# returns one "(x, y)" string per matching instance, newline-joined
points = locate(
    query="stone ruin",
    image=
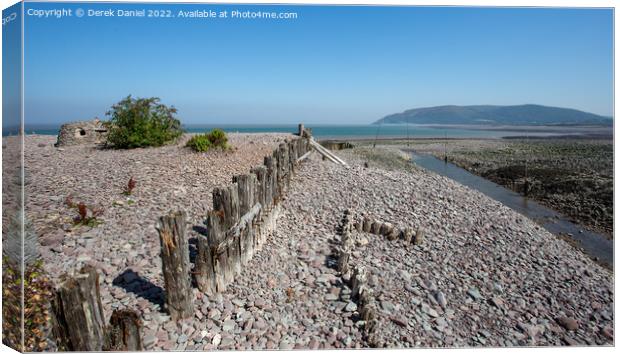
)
(90, 132)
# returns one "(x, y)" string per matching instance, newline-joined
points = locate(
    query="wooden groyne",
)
(244, 215)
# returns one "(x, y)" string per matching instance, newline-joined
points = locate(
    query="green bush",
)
(203, 142)
(218, 138)
(141, 122)
(200, 143)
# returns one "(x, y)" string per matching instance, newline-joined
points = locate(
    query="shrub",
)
(203, 142)
(218, 138)
(200, 143)
(141, 122)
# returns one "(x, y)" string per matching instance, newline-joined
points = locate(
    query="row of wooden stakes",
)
(357, 277)
(243, 215)
(369, 225)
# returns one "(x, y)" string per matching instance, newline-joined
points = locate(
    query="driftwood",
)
(304, 156)
(123, 334)
(78, 323)
(328, 154)
(175, 262)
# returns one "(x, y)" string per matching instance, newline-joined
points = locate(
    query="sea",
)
(326, 132)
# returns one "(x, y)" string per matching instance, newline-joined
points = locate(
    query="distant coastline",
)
(384, 131)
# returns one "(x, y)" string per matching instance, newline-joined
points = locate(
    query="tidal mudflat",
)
(484, 275)
(571, 176)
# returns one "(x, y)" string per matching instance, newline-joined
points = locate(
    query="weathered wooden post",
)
(261, 173)
(407, 234)
(301, 129)
(272, 178)
(79, 324)
(358, 280)
(344, 253)
(204, 270)
(246, 190)
(375, 227)
(123, 334)
(367, 224)
(368, 309)
(419, 236)
(394, 234)
(226, 201)
(385, 229)
(222, 269)
(175, 262)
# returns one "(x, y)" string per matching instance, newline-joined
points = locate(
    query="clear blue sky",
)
(330, 65)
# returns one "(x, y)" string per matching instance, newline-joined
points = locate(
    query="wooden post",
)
(419, 236)
(226, 201)
(234, 253)
(375, 228)
(367, 224)
(124, 332)
(78, 313)
(301, 129)
(368, 309)
(344, 254)
(358, 280)
(358, 224)
(242, 233)
(204, 271)
(261, 175)
(385, 229)
(175, 262)
(246, 191)
(272, 179)
(219, 253)
(407, 234)
(292, 145)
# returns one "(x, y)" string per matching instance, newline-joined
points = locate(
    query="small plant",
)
(131, 184)
(87, 215)
(203, 142)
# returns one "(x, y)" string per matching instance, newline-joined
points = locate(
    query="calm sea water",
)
(333, 131)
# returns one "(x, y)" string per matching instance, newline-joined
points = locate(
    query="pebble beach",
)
(484, 275)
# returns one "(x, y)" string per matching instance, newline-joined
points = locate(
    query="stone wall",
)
(90, 132)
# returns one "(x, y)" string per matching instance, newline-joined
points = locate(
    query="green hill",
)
(527, 114)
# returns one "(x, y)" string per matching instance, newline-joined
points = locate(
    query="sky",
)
(330, 65)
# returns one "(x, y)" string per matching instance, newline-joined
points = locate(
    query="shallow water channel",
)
(594, 244)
